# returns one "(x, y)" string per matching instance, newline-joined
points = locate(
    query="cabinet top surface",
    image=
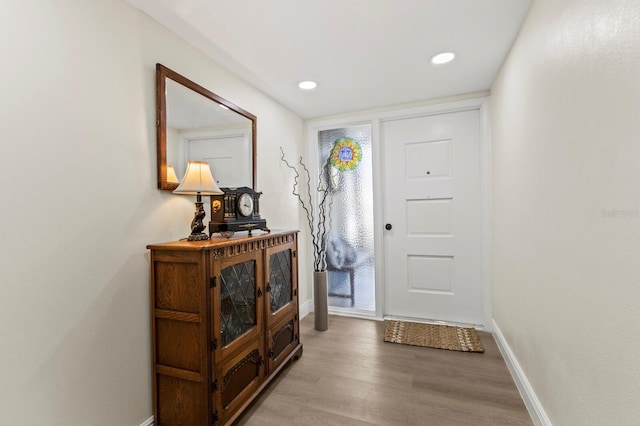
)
(216, 241)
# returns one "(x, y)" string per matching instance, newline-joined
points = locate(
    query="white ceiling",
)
(363, 53)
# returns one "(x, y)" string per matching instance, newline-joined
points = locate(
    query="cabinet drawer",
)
(238, 378)
(282, 338)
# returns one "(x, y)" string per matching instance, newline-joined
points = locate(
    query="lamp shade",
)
(198, 180)
(171, 174)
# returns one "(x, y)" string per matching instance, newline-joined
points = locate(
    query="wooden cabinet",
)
(225, 320)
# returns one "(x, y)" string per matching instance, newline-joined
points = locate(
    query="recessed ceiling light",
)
(442, 58)
(307, 85)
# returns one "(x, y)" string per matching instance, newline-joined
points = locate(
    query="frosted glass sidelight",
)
(350, 251)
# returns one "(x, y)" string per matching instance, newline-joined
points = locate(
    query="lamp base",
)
(196, 225)
(198, 237)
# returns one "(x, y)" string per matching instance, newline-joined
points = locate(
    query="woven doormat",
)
(433, 336)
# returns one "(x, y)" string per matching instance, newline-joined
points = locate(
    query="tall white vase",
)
(321, 309)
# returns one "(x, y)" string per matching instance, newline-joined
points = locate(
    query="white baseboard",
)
(306, 308)
(531, 401)
(148, 422)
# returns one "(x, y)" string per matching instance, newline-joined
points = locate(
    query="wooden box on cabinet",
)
(225, 320)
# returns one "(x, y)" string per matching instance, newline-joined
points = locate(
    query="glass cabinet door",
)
(280, 279)
(282, 321)
(237, 300)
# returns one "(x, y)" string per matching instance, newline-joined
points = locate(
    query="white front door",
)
(432, 204)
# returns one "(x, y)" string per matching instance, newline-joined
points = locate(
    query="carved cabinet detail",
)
(225, 320)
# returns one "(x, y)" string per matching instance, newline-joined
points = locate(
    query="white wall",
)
(79, 203)
(566, 154)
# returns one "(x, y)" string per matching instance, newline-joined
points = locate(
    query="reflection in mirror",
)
(197, 125)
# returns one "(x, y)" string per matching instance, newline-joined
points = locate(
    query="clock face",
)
(245, 204)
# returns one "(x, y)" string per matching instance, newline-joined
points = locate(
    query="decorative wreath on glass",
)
(345, 154)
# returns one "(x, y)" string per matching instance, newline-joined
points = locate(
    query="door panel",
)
(226, 155)
(431, 159)
(432, 187)
(433, 217)
(430, 274)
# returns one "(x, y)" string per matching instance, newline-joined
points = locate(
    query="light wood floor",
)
(348, 375)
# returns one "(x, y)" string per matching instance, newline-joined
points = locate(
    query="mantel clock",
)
(238, 209)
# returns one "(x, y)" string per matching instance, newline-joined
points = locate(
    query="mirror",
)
(195, 124)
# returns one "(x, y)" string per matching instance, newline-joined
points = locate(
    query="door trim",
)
(375, 118)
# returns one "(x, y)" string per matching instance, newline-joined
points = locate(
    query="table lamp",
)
(198, 181)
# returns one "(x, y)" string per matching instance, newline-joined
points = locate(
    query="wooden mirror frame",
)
(162, 73)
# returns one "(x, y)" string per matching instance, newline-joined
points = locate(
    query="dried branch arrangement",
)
(317, 214)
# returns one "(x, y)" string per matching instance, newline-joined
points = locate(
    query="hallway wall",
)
(566, 208)
(79, 203)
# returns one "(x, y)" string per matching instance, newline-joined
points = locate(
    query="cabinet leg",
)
(298, 354)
